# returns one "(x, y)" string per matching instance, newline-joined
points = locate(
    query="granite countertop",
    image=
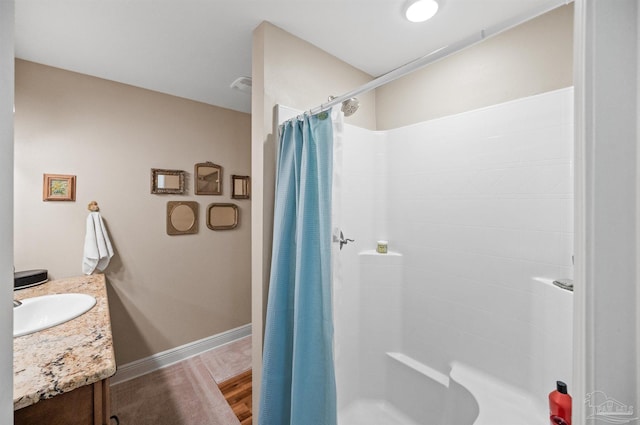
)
(68, 356)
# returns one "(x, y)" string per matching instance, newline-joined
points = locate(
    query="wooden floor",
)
(237, 392)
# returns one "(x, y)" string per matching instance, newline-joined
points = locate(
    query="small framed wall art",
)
(240, 187)
(59, 187)
(167, 181)
(208, 178)
(222, 216)
(182, 217)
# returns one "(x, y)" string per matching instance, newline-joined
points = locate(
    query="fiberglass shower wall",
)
(477, 205)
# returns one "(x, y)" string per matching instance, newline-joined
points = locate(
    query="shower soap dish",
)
(566, 284)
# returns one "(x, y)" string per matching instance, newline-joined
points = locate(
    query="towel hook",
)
(93, 206)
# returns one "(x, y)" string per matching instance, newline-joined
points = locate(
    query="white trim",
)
(606, 273)
(580, 374)
(7, 87)
(174, 355)
(637, 399)
(284, 113)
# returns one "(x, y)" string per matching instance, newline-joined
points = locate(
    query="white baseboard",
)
(174, 355)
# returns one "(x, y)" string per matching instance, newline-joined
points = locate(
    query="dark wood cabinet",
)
(88, 405)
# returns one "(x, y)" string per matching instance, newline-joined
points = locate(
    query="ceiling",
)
(196, 48)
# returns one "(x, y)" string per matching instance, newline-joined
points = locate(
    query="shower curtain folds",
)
(298, 382)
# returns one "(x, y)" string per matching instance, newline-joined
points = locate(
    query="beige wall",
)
(529, 59)
(299, 75)
(164, 291)
(291, 72)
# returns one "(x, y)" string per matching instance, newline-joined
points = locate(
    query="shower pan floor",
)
(368, 412)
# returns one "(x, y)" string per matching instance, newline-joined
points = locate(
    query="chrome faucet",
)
(16, 303)
(341, 240)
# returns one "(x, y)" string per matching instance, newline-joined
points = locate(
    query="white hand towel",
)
(97, 246)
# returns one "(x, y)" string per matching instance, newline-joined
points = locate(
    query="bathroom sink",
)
(38, 313)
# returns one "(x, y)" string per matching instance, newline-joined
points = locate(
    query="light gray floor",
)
(185, 393)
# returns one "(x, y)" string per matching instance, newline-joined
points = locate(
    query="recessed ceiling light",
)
(421, 10)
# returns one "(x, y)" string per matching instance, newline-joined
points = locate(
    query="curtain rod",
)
(440, 53)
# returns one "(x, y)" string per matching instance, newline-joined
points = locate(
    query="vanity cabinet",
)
(88, 405)
(61, 374)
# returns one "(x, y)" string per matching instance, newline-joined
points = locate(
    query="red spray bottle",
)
(560, 405)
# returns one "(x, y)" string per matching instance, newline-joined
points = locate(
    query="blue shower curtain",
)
(298, 381)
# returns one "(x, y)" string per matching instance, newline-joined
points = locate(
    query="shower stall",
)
(459, 323)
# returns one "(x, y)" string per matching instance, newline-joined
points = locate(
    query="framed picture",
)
(240, 187)
(59, 187)
(208, 178)
(222, 216)
(167, 181)
(182, 217)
